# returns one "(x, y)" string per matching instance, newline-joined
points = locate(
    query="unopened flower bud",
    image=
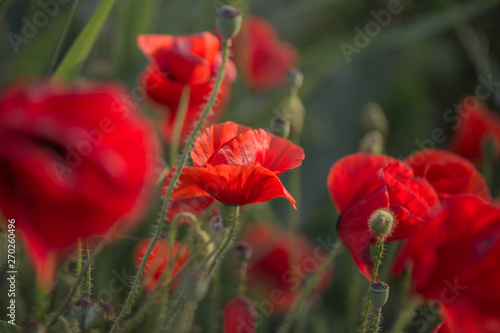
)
(379, 293)
(381, 222)
(228, 21)
(82, 308)
(243, 251)
(280, 127)
(216, 224)
(295, 78)
(373, 118)
(100, 314)
(372, 142)
(194, 285)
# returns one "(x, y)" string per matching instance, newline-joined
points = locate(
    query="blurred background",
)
(419, 65)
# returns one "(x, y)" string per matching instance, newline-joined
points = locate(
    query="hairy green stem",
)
(374, 276)
(311, 283)
(78, 269)
(166, 199)
(86, 254)
(229, 238)
(72, 291)
(180, 117)
(242, 278)
(377, 321)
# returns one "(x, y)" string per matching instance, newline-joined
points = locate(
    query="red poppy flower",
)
(158, 261)
(238, 166)
(240, 316)
(455, 262)
(448, 173)
(441, 328)
(269, 269)
(73, 161)
(360, 184)
(262, 57)
(475, 126)
(175, 62)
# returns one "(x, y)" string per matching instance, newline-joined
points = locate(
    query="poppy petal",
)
(239, 316)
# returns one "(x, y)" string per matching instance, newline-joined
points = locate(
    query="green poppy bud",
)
(280, 127)
(295, 78)
(372, 142)
(381, 222)
(243, 251)
(100, 314)
(82, 308)
(379, 293)
(228, 21)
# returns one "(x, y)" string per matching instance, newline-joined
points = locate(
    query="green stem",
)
(180, 117)
(166, 199)
(151, 300)
(79, 260)
(311, 283)
(230, 235)
(377, 321)
(374, 276)
(215, 304)
(72, 291)
(86, 253)
(405, 316)
(242, 278)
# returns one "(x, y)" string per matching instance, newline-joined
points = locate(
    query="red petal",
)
(448, 173)
(349, 173)
(212, 138)
(258, 147)
(150, 44)
(195, 206)
(234, 185)
(441, 328)
(239, 316)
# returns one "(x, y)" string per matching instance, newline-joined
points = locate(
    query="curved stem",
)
(180, 117)
(230, 235)
(166, 199)
(374, 276)
(313, 281)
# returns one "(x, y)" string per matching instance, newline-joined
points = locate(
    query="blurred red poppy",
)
(73, 161)
(239, 316)
(158, 261)
(263, 59)
(360, 184)
(476, 125)
(196, 206)
(454, 260)
(448, 173)
(242, 170)
(270, 273)
(176, 62)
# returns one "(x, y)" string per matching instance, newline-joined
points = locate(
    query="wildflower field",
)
(244, 166)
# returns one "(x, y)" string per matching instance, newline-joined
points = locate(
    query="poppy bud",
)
(381, 222)
(243, 251)
(216, 224)
(100, 314)
(194, 285)
(379, 293)
(228, 21)
(372, 142)
(295, 78)
(373, 118)
(82, 308)
(280, 127)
